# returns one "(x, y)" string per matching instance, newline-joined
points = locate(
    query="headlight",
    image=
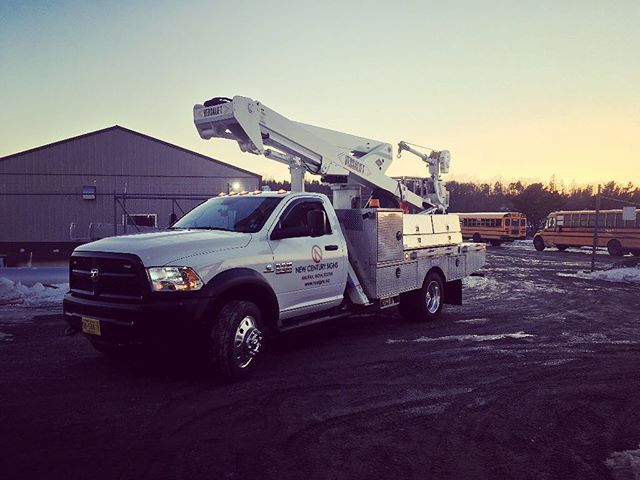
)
(171, 279)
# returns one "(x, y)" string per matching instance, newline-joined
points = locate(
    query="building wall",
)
(41, 189)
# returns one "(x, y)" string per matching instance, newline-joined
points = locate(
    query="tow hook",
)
(70, 331)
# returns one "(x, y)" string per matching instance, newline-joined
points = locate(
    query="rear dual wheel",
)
(426, 303)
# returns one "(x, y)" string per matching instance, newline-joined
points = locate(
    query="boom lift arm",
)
(343, 160)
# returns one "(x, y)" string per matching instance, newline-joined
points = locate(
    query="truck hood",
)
(162, 248)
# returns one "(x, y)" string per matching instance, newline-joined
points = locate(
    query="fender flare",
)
(237, 282)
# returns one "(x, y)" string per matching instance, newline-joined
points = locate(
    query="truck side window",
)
(295, 222)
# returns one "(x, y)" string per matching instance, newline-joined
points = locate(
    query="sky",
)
(514, 89)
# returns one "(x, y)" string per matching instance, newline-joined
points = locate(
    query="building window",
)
(141, 219)
(89, 192)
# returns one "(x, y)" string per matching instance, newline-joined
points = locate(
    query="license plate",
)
(90, 326)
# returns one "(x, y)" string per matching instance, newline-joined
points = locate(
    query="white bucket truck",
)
(244, 265)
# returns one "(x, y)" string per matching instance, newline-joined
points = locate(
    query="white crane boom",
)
(343, 160)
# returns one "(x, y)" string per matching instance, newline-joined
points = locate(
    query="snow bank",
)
(38, 295)
(626, 275)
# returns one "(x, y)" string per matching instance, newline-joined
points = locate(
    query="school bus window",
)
(619, 222)
(560, 219)
(610, 220)
(507, 221)
(592, 219)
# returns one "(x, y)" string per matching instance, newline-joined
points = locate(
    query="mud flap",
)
(453, 292)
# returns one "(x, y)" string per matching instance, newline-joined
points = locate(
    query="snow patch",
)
(463, 338)
(5, 337)
(38, 295)
(477, 282)
(624, 465)
(626, 275)
(474, 321)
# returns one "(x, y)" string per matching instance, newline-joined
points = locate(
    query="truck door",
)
(310, 272)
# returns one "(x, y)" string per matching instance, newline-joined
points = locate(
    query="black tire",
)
(538, 243)
(496, 243)
(562, 248)
(424, 305)
(476, 238)
(614, 248)
(635, 253)
(236, 339)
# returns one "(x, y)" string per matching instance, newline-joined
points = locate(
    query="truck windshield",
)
(235, 214)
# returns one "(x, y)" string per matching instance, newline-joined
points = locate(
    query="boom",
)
(343, 160)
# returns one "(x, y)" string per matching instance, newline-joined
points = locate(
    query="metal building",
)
(115, 180)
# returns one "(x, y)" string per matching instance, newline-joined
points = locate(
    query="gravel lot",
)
(536, 376)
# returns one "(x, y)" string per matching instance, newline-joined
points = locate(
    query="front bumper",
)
(149, 322)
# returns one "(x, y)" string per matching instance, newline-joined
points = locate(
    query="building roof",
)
(127, 130)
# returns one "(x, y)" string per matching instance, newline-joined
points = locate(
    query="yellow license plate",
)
(90, 326)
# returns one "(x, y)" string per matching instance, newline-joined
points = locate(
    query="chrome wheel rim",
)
(247, 341)
(432, 298)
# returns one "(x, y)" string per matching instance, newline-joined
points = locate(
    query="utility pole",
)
(595, 230)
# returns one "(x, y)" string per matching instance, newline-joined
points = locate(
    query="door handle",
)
(331, 247)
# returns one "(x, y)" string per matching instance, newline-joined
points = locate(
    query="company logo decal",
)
(316, 254)
(94, 274)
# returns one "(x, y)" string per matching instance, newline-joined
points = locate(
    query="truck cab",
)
(281, 252)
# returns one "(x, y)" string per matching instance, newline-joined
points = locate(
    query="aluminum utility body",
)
(244, 265)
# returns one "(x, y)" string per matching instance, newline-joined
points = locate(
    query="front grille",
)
(107, 277)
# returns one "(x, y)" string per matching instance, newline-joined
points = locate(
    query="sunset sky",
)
(525, 89)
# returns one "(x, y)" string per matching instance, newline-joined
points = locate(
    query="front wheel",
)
(476, 238)
(538, 243)
(424, 304)
(562, 248)
(236, 339)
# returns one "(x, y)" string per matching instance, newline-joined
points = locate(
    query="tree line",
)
(535, 200)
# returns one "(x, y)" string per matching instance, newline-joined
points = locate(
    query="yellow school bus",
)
(566, 229)
(493, 227)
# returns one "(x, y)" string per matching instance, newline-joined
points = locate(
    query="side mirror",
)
(316, 220)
